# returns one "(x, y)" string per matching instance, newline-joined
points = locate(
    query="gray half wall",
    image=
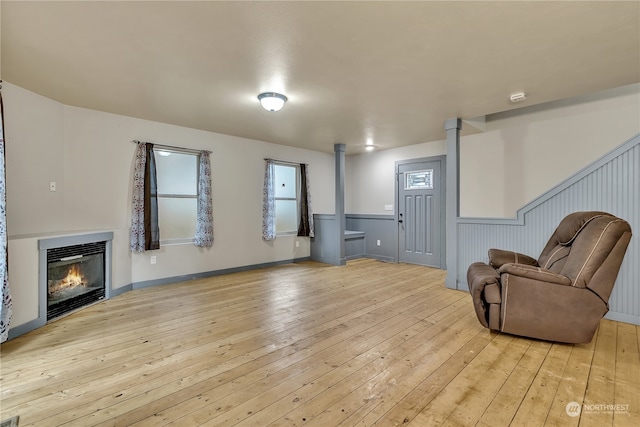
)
(376, 227)
(324, 247)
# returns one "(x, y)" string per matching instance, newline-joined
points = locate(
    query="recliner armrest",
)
(499, 257)
(535, 273)
(481, 276)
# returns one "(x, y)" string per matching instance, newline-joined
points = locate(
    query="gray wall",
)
(376, 227)
(611, 184)
(324, 248)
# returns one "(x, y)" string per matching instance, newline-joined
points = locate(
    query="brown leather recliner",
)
(562, 295)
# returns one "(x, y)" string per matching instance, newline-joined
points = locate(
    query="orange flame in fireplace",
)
(74, 278)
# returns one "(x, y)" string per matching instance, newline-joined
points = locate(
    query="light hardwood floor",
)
(307, 344)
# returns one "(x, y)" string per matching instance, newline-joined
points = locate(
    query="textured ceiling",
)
(389, 71)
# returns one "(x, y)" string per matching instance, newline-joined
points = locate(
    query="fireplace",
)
(75, 277)
(74, 272)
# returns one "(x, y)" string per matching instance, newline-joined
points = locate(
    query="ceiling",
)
(391, 72)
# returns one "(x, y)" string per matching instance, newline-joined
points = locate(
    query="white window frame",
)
(184, 151)
(296, 168)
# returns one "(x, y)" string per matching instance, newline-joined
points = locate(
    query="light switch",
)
(388, 207)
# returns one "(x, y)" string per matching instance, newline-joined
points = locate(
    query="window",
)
(286, 198)
(177, 179)
(419, 180)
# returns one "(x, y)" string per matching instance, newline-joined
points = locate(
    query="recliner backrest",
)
(555, 253)
(585, 243)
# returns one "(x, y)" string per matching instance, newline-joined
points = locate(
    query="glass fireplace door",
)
(74, 278)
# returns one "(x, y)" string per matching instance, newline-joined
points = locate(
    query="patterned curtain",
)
(137, 208)
(204, 221)
(269, 202)
(306, 213)
(145, 234)
(6, 308)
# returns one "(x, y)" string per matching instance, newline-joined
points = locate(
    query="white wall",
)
(521, 155)
(90, 156)
(370, 177)
(525, 153)
(34, 135)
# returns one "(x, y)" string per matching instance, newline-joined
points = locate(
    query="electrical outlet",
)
(378, 242)
(297, 244)
(388, 207)
(153, 259)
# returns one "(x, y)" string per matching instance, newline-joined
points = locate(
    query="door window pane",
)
(419, 180)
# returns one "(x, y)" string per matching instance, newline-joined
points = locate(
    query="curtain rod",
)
(171, 147)
(285, 162)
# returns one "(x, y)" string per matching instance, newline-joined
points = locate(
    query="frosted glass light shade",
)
(272, 101)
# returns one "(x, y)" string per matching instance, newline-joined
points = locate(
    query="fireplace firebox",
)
(75, 271)
(75, 277)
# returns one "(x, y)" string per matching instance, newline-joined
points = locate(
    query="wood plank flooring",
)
(367, 344)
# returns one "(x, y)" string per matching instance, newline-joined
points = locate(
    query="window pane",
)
(285, 181)
(177, 173)
(177, 218)
(419, 180)
(286, 216)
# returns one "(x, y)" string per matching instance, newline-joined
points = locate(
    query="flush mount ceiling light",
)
(369, 144)
(272, 101)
